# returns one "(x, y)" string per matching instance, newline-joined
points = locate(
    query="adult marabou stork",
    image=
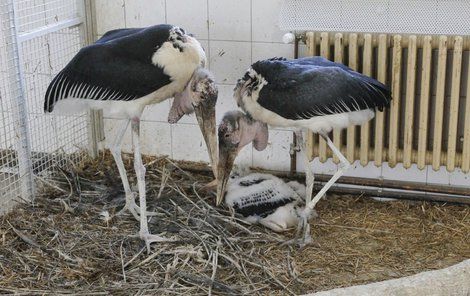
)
(128, 69)
(307, 94)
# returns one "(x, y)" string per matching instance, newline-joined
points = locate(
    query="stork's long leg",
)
(116, 152)
(344, 165)
(140, 173)
(304, 226)
(310, 178)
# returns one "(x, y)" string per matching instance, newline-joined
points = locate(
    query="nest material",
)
(70, 241)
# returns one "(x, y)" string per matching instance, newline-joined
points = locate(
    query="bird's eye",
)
(227, 135)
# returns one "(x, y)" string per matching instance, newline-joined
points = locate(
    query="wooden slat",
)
(339, 59)
(380, 116)
(439, 108)
(311, 48)
(466, 133)
(351, 132)
(409, 101)
(454, 103)
(324, 52)
(424, 102)
(395, 108)
(367, 70)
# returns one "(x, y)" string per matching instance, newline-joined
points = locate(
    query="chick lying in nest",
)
(266, 199)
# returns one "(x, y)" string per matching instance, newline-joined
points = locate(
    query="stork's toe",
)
(134, 209)
(153, 238)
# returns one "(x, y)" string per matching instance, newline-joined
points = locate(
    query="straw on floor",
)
(71, 242)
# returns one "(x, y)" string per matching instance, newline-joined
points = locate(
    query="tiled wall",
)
(234, 34)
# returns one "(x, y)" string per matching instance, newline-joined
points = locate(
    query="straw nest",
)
(70, 241)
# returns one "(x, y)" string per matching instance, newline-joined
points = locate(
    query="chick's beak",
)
(227, 157)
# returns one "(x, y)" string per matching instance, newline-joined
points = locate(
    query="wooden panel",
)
(424, 102)
(339, 59)
(324, 52)
(351, 132)
(395, 108)
(311, 48)
(439, 109)
(409, 101)
(367, 70)
(454, 103)
(380, 116)
(466, 134)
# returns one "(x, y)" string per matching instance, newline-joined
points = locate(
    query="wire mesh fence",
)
(37, 39)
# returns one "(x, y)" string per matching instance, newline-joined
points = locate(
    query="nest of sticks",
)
(71, 241)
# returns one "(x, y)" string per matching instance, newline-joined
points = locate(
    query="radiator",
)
(428, 122)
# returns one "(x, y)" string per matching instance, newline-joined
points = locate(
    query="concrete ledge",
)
(453, 280)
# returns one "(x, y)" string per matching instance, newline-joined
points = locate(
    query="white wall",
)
(234, 34)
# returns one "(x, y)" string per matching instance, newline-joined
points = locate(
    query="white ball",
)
(288, 38)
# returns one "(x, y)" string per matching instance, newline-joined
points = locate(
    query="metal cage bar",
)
(20, 109)
(38, 40)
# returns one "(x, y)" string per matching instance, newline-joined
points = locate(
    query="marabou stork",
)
(128, 69)
(306, 94)
(266, 199)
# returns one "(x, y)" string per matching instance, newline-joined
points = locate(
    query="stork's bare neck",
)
(200, 91)
(239, 129)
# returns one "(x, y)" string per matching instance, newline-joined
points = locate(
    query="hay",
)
(70, 242)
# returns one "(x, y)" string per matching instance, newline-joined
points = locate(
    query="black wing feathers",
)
(262, 208)
(308, 87)
(117, 67)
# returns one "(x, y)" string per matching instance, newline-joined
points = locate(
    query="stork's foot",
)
(303, 237)
(133, 208)
(152, 238)
(303, 232)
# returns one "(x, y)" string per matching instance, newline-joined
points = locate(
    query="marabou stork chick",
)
(128, 69)
(308, 94)
(267, 200)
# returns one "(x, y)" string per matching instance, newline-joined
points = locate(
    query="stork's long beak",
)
(205, 114)
(227, 157)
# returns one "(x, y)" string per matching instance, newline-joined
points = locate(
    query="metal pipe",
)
(404, 42)
(391, 184)
(372, 187)
(398, 194)
(16, 80)
(293, 152)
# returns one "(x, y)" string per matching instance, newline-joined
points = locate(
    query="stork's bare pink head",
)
(236, 130)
